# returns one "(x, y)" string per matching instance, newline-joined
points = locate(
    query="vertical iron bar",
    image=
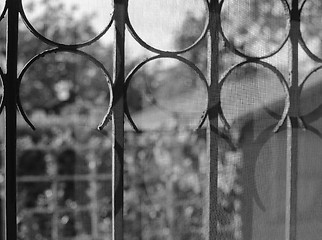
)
(292, 134)
(120, 8)
(213, 100)
(11, 118)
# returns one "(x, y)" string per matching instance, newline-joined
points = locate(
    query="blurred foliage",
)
(166, 179)
(45, 158)
(61, 79)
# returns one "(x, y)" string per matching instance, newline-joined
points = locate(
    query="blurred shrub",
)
(165, 183)
(165, 179)
(60, 169)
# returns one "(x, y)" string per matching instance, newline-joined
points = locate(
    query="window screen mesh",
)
(221, 118)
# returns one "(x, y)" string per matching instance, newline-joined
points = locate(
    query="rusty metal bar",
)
(292, 134)
(120, 8)
(213, 100)
(10, 89)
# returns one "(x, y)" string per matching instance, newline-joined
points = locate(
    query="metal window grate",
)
(118, 106)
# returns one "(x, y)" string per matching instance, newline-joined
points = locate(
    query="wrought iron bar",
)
(10, 88)
(213, 101)
(292, 122)
(120, 8)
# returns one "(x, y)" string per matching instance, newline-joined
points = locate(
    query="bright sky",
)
(156, 21)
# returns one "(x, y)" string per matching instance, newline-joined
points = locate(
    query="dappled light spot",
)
(74, 225)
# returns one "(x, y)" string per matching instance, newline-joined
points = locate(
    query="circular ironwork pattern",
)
(140, 65)
(308, 76)
(306, 79)
(97, 63)
(61, 47)
(314, 114)
(74, 48)
(236, 51)
(303, 44)
(279, 76)
(159, 51)
(57, 44)
(259, 60)
(161, 54)
(176, 55)
(233, 49)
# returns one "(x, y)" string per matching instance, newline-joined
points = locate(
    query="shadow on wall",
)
(263, 175)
